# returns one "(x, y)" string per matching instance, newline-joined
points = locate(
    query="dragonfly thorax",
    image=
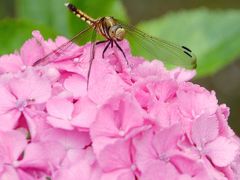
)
(111, 29)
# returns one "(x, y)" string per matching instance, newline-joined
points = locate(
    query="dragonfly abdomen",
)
(80, 14)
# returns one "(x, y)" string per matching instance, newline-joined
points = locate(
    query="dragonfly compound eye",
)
(120, 33)
(117, 32)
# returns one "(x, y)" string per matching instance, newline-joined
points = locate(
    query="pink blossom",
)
(153, 153)
(117, 164)
(22, 95)
(120, 118)
(12, 146)
(192, 100)
(135, 121)
(219, 149)
(10, 63)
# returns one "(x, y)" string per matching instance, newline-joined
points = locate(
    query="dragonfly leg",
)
(101, 42)
(119, 47)
(106, 48)
(111, 44)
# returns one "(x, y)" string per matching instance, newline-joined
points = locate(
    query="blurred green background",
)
(210, 28)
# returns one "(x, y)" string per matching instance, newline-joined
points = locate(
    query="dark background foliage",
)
(210, 28)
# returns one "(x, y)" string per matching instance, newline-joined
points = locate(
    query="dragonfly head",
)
(117, 32)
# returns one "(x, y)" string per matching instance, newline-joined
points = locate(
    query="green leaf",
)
(96, 9)
(13, 33)
(48, 12)
(214, 36)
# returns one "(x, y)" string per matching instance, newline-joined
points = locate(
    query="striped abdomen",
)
(80, 14)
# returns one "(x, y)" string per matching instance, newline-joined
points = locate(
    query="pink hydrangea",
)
(137, 121)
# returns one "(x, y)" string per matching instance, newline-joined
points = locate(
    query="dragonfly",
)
(113, 31)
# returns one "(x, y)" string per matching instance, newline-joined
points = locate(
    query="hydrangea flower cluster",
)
(138, 121)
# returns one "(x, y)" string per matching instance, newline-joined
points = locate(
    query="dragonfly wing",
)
(154, 48)
(59, 51)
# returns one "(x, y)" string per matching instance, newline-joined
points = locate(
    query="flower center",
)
(133, 167)
(76, 60)
(21, 104)
(23, 67)
(164, 157)
(121, 132)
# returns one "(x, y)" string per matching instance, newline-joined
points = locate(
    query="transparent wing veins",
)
(176, 55)
(62, 48)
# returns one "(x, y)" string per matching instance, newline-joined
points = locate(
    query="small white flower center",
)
(23, 67)
(21, 104)
(15, 163)
(76, 60)
(121, 132)
(133, 167)
(164, 157)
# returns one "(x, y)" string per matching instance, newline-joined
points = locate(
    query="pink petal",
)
(143, 97)
(99, 143)
(31, 51)
(68, 139)
(81, 170)
(9, 120)
(50, 73)
(165, 114)
(47, 46)
(79, 166)
(145, 152)
(160, 170)
(222, 151)
(130, 114)
(31, 87)
(235, 166)
(60, 108)
(9, 173)
(8, 101)
(104, 124)
(76, 155)
(181, 74)
(36, 122)
(120, 115)
(25, 175)
(73, 48)
(121, 174)
(146, 69)
(84, 113)
(194, 100)
(106, 83)
(42, 155)
(164, 90)
(37, 35)
(212, 171)
(60, 123)
(222, 115)
(167, 139)
(115, 156)
(10, 63)
(77, 85)
(12, 144)
(186, 165)
(204, 129)
(185, 177)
